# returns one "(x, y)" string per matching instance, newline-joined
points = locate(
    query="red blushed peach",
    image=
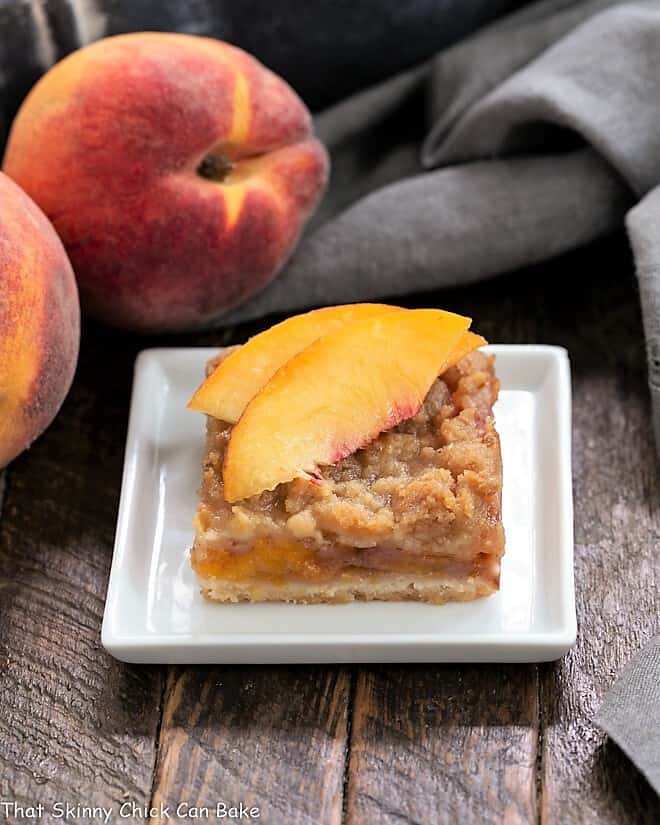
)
(39, 321)
(177, 170)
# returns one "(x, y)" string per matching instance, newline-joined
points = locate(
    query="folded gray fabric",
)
(630, 714)
(532, 137)
(643, 224)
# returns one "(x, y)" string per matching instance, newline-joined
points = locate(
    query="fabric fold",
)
(465, 74)
(643, 224)
(630, 713)
(599, 81)
(455, 225)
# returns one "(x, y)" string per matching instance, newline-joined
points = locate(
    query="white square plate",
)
(154, 612)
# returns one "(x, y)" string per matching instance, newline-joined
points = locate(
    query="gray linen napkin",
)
(630, 714)
(532, 137)
(643, 223)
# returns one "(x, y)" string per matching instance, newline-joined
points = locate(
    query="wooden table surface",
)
(328, 744)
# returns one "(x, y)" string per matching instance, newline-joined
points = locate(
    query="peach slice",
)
(235, 382)
(467, 343)
(337, 395)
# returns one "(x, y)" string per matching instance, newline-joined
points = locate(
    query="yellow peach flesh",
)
(467, 343)
(233, 384)
(266, 560)
(338, 394)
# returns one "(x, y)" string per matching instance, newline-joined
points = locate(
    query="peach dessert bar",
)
(351, 453)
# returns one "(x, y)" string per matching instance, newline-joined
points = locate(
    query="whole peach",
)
(177, 170)
(39, 321)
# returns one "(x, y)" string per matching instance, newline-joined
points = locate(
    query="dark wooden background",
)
(325, 744)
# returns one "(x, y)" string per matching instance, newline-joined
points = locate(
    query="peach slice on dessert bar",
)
(467, 343)
(337, 395)
(240, 376)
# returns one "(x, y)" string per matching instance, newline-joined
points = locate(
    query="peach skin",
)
(39, 322)
(178, 171)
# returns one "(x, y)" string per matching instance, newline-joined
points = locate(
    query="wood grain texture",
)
(443, 744)
(75, 725)
(269, 737)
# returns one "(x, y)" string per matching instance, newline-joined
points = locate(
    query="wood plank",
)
(273, 738)
(586, 779)
(443, 744)
(75, 725)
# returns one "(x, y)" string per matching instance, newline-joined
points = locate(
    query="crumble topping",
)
(429, 487)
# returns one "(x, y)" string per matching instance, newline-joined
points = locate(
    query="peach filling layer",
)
(286, 561)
